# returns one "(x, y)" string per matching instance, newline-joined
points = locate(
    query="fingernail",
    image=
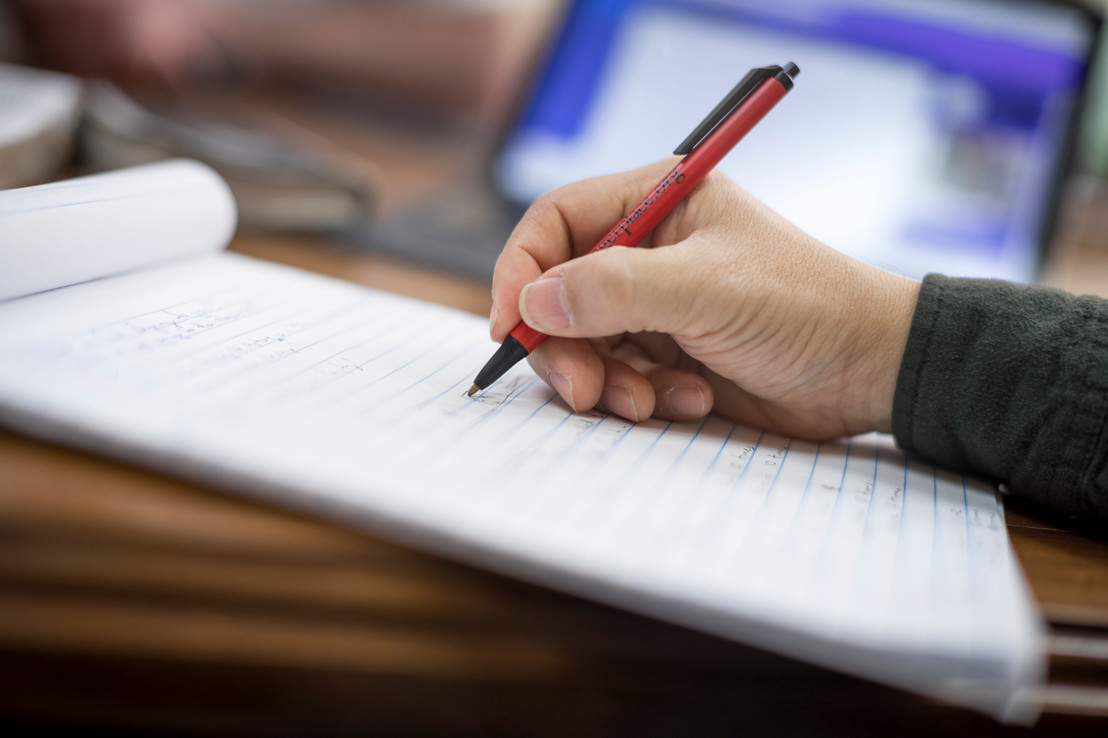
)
(544, 306)
(493, 315)
(686, 399)
(563, 385)
(619, 400)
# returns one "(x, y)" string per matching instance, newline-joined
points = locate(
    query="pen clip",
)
(734, 99)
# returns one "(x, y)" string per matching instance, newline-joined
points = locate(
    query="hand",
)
(727, 307)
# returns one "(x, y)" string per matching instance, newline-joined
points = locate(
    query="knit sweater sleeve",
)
(1010, 382)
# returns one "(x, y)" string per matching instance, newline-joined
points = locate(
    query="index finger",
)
(560, 226)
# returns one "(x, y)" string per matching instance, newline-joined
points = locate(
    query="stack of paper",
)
(350, 403)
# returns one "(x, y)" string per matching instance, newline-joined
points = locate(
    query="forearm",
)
(1010, 382)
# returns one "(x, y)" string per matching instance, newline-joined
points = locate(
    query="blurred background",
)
(261, 89)
(925, 135)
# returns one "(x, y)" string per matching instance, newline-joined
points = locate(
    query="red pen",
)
(716, 135)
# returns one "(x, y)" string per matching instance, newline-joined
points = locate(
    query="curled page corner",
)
(75, 230)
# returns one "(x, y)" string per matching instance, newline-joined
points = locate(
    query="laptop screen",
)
(922, 135)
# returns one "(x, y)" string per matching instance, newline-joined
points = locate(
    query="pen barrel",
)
(676, 186)
(691, 170)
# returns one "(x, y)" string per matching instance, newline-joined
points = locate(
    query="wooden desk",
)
(134, 603)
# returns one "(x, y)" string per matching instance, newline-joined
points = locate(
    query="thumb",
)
(612, 291)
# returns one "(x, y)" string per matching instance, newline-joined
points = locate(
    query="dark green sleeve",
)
(1010, 382)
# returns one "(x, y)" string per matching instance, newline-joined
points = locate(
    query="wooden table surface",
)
(134, 603)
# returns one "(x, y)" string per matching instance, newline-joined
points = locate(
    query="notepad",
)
(350, 404)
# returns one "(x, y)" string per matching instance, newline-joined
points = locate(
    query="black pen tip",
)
(507, 356)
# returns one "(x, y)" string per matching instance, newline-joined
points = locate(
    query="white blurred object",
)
(38, 116)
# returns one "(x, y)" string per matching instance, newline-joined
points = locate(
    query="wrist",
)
(893, 300)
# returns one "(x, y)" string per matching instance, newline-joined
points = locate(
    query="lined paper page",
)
(351, 403)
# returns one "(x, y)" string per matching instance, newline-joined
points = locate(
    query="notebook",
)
(923, 135)
(125, 330)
